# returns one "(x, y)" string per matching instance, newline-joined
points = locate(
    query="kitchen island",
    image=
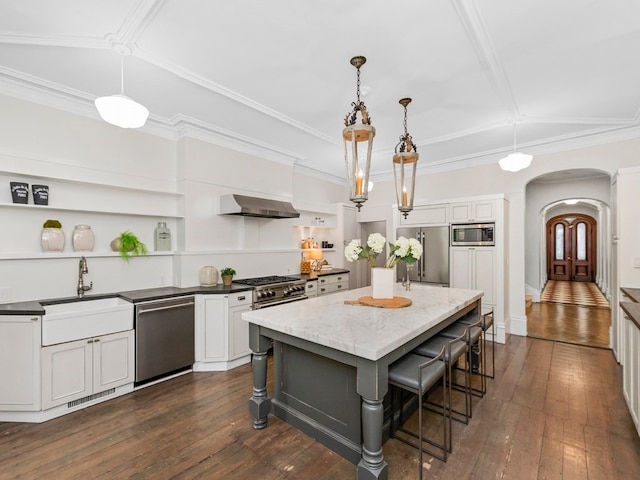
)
(330, 363)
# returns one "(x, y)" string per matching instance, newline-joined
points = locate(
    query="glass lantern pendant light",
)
(120, 110)
(358, 140)
(405, 161)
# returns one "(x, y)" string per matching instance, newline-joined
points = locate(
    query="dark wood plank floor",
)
(554, 411)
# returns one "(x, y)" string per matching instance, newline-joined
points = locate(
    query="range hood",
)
(256, 207)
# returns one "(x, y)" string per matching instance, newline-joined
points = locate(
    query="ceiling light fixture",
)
(120, 110)
(515, 161)
(358, 140)
(405, 162)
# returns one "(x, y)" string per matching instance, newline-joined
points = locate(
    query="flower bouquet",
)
(405, 250)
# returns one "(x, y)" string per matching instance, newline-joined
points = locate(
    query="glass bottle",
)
(162, 238)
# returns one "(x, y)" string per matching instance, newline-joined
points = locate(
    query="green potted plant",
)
(128, 245)
(227, 274)
(52, 238)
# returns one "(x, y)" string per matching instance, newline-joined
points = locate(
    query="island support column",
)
(372, 387)
(259, 403)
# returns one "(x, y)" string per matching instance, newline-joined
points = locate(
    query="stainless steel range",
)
(274, 290)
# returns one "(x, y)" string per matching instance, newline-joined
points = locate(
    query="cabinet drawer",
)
(240, 298)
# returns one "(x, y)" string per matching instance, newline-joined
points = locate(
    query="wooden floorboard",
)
(554, 411)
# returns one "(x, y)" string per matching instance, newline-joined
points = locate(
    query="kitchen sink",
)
(65, 322)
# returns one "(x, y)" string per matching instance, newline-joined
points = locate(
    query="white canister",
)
(208, 276)
(83, 239)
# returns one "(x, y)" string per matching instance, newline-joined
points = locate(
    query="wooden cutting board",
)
(395, 302)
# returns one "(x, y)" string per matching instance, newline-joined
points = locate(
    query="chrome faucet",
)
(83, 268)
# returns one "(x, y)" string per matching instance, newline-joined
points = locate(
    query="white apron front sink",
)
(66, 322)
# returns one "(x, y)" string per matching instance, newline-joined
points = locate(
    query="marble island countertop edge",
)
(366, 332)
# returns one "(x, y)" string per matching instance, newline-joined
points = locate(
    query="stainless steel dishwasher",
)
(164, 338)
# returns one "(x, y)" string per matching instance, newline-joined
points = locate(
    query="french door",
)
(571, 248)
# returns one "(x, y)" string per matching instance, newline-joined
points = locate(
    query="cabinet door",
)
(67, 372)
(460, 212)
(484, 273)
(113, 361)
(483, 210)
(428, 215)
(215, 331)
(461, 268)
(20, 362)
(238, 333)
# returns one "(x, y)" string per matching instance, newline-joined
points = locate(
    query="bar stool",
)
(487, 322)
(473, 335)
(454, 350)
(417, 375)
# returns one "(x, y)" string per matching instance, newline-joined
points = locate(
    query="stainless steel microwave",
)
(480, 234)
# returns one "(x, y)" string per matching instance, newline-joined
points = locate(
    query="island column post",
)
(372, 386)
(259, 403)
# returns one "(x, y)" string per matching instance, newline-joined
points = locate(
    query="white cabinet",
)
(20, 362)
(211, 328)
(474, 268)
(238, 328)
(427, 215)
(78, 369)
(222, 337)
(311, 288)
(473, 211)
(332, 283)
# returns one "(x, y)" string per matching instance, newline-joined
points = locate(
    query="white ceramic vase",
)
(208, 276)
(52, 240)
(382, 282)
(83, 239)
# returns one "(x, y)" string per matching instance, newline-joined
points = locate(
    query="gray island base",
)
(331, 360)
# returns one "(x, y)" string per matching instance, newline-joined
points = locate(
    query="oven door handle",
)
(257, 306)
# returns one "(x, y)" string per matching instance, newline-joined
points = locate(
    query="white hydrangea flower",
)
(403, 247)
(376, 242)
(352, 250)
(416, 248)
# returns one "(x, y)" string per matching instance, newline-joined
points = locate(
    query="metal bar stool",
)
(487, 322)
(454, 350)
(472, 337)
(416, 374)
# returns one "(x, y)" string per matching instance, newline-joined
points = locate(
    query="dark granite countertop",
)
(133, 296)
(314, 275)
(632, 311)
(632, 293)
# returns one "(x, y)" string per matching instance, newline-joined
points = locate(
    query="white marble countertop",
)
(367, 332)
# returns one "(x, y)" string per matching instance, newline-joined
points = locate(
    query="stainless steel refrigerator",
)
(433, 267)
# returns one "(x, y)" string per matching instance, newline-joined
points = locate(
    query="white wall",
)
(92, 167)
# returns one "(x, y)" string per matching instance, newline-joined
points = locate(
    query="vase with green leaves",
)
(52, 236)
(128, 245)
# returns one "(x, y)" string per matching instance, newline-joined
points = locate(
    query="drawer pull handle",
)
(242, 298)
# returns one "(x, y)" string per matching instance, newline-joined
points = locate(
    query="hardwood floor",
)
(554, 410)
(569, 323)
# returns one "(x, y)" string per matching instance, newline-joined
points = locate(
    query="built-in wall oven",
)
(274, 290)
(164, 338)
(470, 234)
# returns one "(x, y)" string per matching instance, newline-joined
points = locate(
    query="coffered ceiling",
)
(273, 78)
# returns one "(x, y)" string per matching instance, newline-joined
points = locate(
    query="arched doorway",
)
(571, 247)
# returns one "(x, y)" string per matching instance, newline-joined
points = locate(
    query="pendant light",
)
(405, 161)
(515, 161)
(358, 140)
(120, 110)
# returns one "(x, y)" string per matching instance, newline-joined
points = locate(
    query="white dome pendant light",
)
(120, 110)
(515, 161)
